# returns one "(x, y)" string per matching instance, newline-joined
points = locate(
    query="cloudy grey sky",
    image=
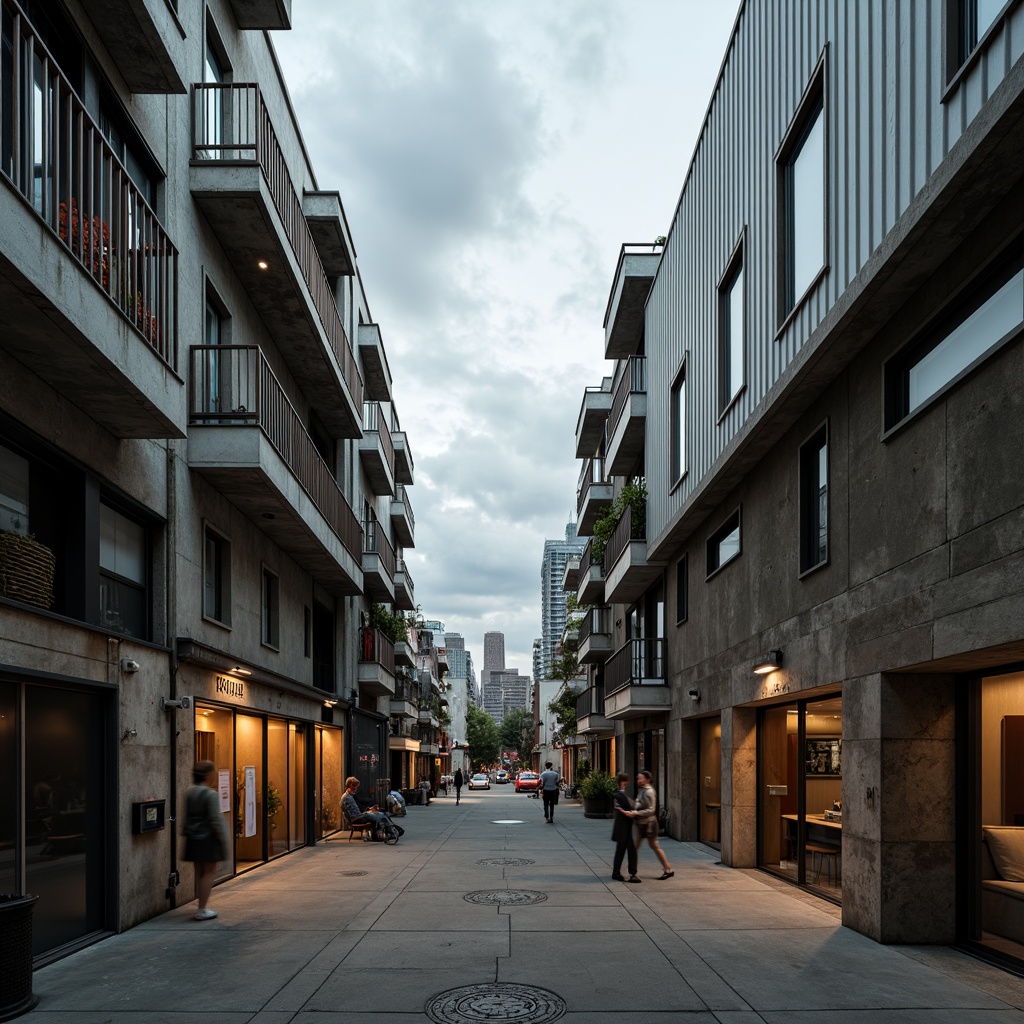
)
(492, 156)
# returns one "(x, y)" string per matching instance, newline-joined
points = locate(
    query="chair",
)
(354, 827)
(816, 850)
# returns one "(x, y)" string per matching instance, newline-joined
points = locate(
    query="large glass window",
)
(328, 779)
(124, 554)
(732, 333)
(814, 500)
(13, 492)
(215, 741)
(677, 415)
(724, 544)
(216, 577)
(976, 18)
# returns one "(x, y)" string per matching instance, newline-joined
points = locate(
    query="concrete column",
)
(739, 787)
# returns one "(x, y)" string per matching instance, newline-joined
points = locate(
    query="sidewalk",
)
(344, 932)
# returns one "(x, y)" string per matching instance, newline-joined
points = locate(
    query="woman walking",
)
(646, 816)
(206, 834)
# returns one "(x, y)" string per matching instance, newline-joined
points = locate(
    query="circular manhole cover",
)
(505, 862)
(505, 897)
(508, 821)
(504, 1001)
(352, 874)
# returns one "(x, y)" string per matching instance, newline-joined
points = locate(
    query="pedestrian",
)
(646, 816)
(549, 791)
(355, 814)
(444, 784)
(459, 780)
(622, 833)
(206, 834)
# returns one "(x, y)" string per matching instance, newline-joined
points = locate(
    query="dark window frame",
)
(735, 266)
(678, 463)
(270, 608)
(220, 615)
(145, 588)
(732, 523)
(682, 590)
(810, 527)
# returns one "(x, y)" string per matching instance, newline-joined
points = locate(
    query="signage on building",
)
(249, 772)
(227, 687)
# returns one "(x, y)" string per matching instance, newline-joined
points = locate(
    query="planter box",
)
(16, 955)
(26, 570)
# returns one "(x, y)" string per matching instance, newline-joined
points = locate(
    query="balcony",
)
(149, 54)
(405, 598)
(404, 654)
(596, 636)
(594, 494)
(403, 522)
(428, 718)
(593, 413)
(248, 441)
(629, 573)
(240, 180)
(591, 578)
(269, 14)
(378, 561)
(325, 217)
(376, 663)
(571, 575)
(88, 276)
(590, 716)
(376, 452)
(403, 455)
(624, 315)
(376, 372)
(403, 701)
(634, 680)
(627, 420)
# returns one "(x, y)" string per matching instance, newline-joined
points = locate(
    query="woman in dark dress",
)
(206, 834)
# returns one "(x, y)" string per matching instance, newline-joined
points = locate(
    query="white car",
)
(480, 782)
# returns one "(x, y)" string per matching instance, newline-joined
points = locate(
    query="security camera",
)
(185, 703)
(694, 694)
(129, 665)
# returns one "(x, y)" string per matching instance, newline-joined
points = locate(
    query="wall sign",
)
(224, 788)
(250, 800)
(228, 687)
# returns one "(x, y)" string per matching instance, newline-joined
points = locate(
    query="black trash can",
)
(16, 955)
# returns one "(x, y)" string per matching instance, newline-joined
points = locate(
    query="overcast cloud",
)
(492, 157)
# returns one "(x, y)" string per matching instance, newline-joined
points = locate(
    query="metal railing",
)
(590, 702)
(596, 622)
(404, 569)
(375, 542)
(629, 249)
(374, 422)
(234, 384)
(58, 159)
(587, 562)
(632, 382)
(635, 663)
(375, 647)
(231, 124)
(402, 497)
(625, 531)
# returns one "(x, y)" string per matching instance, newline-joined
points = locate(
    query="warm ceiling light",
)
(769, 663)
(262, 264)
(239, 671)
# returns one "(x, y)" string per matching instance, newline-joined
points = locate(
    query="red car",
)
(527, 782)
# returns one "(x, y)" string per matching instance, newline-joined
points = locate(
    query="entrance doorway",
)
(709, 770)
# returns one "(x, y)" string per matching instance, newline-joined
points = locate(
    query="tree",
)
(481, 736)
(563, 707)
(517, 733)
(566, 666)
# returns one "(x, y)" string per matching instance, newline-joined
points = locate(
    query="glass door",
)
(710, 773)
(249, 831)
(215, 741)
(328, 763)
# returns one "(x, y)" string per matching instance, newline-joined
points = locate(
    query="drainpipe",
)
(172, 668)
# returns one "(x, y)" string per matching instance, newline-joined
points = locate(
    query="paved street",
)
(349, 932)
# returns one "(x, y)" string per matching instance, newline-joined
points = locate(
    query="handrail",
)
(375, 542)
(629, 249)
(633, 381)
(403, 568)
(587, 562)
(231, 124)
(234, 384)
(58, 159)
(597, 622)
(635, 663)
(623, 533)
(376, 648)
(590, 702)
(374, 422)
(402, 496)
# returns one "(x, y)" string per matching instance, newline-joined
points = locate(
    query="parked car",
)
(502, 776)
(527, 782)
(480, 782)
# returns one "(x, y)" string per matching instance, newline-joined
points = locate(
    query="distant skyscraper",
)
(552, 596)
(458, 656)
(505, 690)
(494, 654)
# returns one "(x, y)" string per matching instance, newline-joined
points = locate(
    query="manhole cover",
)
(508, 821)
(505, 897)
(505, 862)
(352, 874)
(498, 1001)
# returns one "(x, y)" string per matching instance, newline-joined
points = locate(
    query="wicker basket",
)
(26, 570)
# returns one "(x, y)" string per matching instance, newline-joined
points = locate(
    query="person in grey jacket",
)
(646, 817)
(622, 833)
(206, 834)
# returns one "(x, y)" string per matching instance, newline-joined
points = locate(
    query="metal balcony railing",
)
(404, 569)
(231, 124)
(375, 542)
(626, 529)
(402, 496)
(374, 421)
(597, 622)
(375, 647)
(234, 384)
(635, 663)
(590, 702)
(58, 159)
(586, 562)
(591, 473)
(633, 381)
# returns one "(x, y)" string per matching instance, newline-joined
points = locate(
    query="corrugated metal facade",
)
(892, 116)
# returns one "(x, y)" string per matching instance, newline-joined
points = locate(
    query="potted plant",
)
(598, 788)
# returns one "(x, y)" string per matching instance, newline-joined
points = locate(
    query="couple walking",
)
(644, 812)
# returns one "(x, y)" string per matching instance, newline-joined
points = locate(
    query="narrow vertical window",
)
(682, 590)
(731, 333)
(124, 554)
(814, 501)
(271, 612)
(976, 18)
(677, 426)
(216, 578)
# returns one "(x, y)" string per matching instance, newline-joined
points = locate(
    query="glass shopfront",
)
(328, 762)
(800, 779)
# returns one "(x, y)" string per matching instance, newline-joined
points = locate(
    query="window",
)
(307, 632)
(13, 492)
(731, 333)
(271, 609)
(970, 335)
(677, 415)
(124, 604)
(682, 590)
(976, 17)
(724, 544)
(814, 500)
(801, 182)
(216, 578)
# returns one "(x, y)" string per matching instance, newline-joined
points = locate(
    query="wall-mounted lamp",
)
(239, 671)
(331, 702)
(769, 663)
(694, 694)
(129, 665)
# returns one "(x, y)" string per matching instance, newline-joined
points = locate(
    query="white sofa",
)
(1002, 884)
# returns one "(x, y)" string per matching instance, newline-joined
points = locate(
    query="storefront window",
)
(278, 791)
(248, 791)
(297, 787)
(329, 781)
(215, 741)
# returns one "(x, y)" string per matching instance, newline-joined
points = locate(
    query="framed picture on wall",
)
(824, 756)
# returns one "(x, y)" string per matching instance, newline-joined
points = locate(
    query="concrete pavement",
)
(343, 933)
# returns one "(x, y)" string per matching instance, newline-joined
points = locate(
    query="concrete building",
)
(204, 487)
(808, 620)
(494, 655)
(553, 597)
(505, 690)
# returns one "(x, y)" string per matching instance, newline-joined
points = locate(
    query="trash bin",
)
(16, 955)
(424, 793)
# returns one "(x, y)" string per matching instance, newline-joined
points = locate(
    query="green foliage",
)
(394, 625)
(517, 733)
(633, 494)
(582, 768)
(597, 785)
(563, 707)
(481, 736)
